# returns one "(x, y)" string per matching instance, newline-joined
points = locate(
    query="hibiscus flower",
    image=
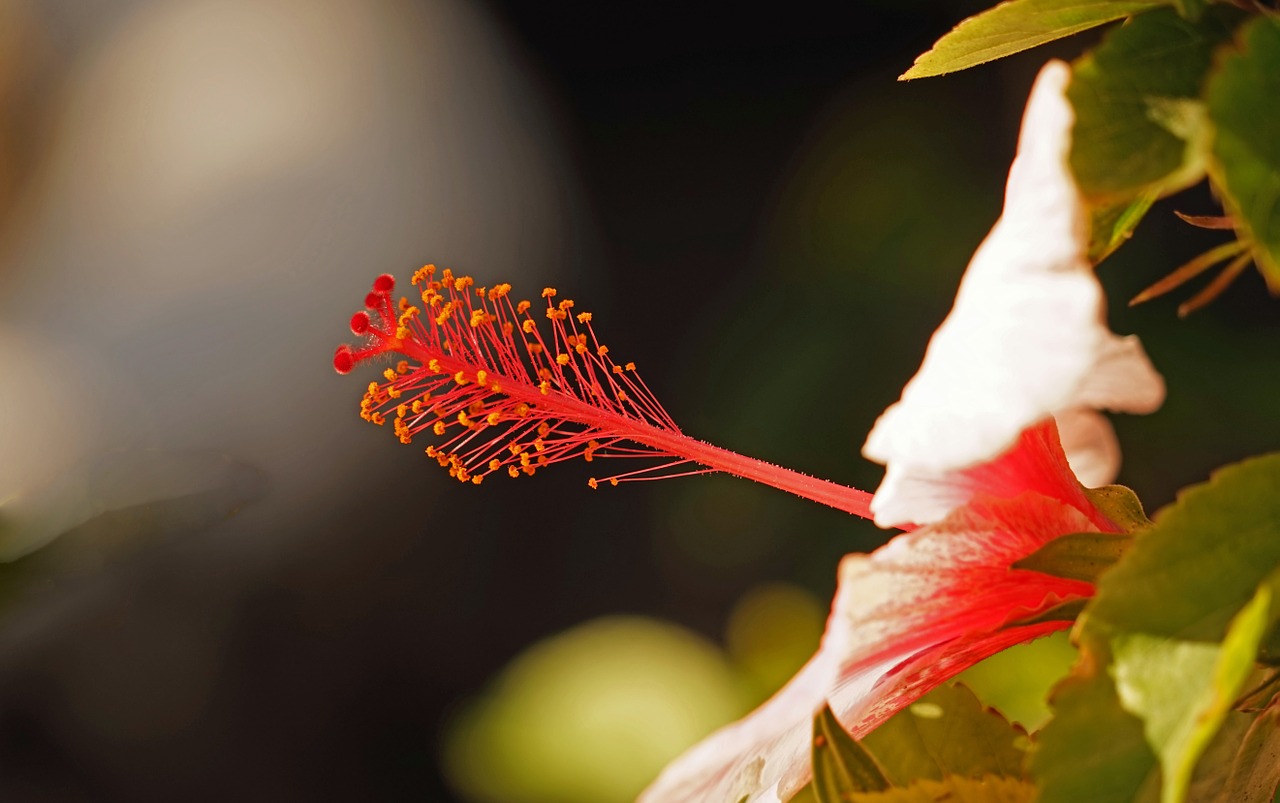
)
(974, 452)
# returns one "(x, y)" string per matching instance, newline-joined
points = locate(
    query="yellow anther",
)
(622, 395)
(544, 429)
(373, 388)
(462, 283)
(493, 419)
(481, 376)
(507, 328)
(524, 459)
(402, 333)
(563, 359)
(431, 451)
(515, 448)
(393, 392)
(529, 326)
(390, 374)
(378, 418)
(613, 481)
(528, 470)
(617, 369)
(542, 460)
(480, 291)
(495, 387)
(479, 318)
(416, 407)
(566, 305)
(548, 292)
(402, 410)
(460, 378)
(402, 367)
(446, 276)
(433, 365)
(545, 387)
(475, 408)
(477, 479)
(513, 472)
(523, 307)
(544, 373)
(602, 350)
(539, 445)
(581, 348)
(592, 482)
(556, 314)
(439, 428)
(584, 317)
(498, 291)
(522, 409)
(631, 366)
(534, 348)
(495, 464)
(406, 438)
(463, 420)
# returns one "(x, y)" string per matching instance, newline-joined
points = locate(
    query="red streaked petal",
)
(1035, 463)
(917, 611)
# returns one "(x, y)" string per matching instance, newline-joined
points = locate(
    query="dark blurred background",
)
(223, 585)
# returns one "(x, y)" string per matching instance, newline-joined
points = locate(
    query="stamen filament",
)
(498, 407)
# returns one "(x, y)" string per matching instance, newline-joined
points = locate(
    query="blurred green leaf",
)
(1183, 690)
(840, 765)
(1242, 99)
(947, 732)
(1139, 119)
(1111, 225)
(1191, 9)
(991, 789)
(1093, 749)
(1014, 26)
(1079, 556)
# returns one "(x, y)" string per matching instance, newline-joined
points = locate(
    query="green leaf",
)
(991, 789)
(948, 732)
(1139, 120)
(1183, 690)
(1080, 556)
(1111, 225)
(1167, 643)
(1204, 559)
(1093, 749)
(1242, 99)
(1014, 26)
(840, 765)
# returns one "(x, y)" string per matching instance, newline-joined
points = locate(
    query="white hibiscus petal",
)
(1025, 339)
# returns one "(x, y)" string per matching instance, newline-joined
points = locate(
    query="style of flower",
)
(974, 450)
(507, 397)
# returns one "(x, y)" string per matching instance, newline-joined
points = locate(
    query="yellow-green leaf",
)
(1014, 26)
